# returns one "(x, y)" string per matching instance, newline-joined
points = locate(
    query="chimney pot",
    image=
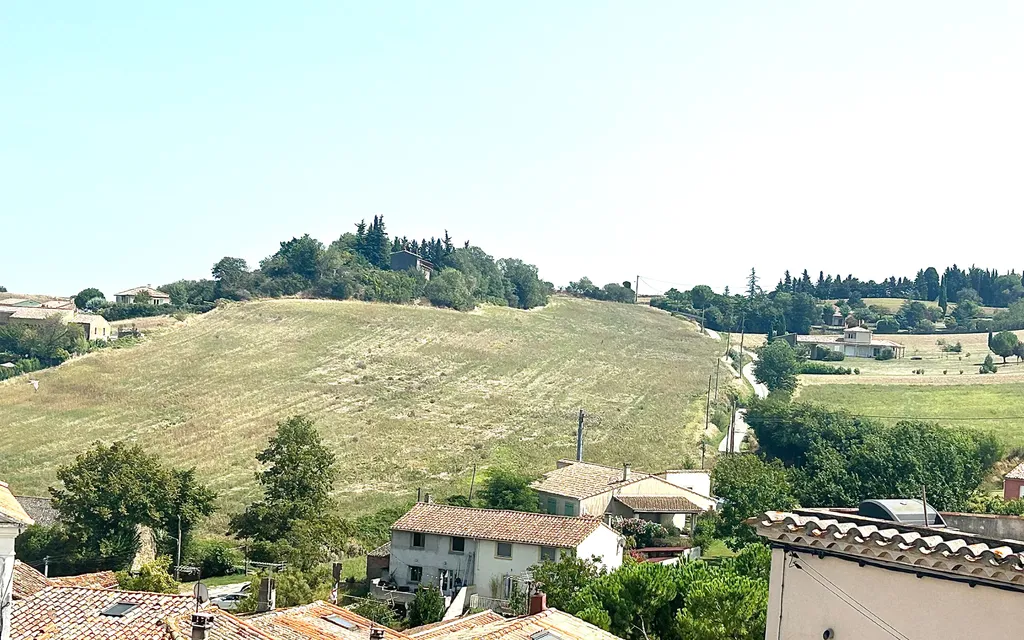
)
(538, 603)
(627, 471)
(428, 498)
(267, 597)
(202, 622)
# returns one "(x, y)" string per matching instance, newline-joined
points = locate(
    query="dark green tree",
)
(508, 490)
(524, 288)
(562, 580)
(85, 295)
(943, 299)
(296, 483)
(748, 486)
(1003, 343)
(752, 288)
(776, 367)
(427, 607)
(297, 257)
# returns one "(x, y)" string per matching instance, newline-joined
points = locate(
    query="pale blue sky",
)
(684, 141)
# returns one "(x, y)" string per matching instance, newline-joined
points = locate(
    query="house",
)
(73, 613)
(13, 520)
(155, 295)
(836, 574)
(404, 260)
(317, 621)
(855, 342)
(587, 489)
(94, 326)
(1013, 483)
(838, 320)
(485, 550)
(28, 581)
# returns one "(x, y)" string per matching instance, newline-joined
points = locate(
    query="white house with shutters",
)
(484, 549)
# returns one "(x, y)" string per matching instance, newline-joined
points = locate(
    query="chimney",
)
(538, 603)
(202, 622)
(267, 599)
(627, 471)
(428, 498)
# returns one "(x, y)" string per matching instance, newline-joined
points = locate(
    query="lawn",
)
(996, 408)
(406, 396)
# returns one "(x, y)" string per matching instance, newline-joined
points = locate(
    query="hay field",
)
(407, 396)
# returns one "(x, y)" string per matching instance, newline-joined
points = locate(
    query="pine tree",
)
(752, 287)
(943, 300)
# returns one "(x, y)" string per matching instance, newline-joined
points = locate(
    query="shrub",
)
(817, 368)
(449, 289)
(152, 577)
(826, 354)
(988, 366)
(213, 557)
(885, 354)
(887, 324)
(856, 371)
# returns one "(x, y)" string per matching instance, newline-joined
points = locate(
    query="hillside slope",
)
(407, 396)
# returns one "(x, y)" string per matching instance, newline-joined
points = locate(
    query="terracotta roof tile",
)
(134, 291)
(941, 550)
(97, 580)
(492, 524)
(443, 629)
(308, 622)
(583, 479)
(11, 511)
(658, 504)
(75, 613)
(562, 624)
(27, 580)
(1017, 473)
(225, 627)
(39, 509)
(382, 551)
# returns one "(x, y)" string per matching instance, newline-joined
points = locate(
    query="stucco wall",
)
(604, 543)
(697, 481)
(560, 505)
(987, 525)
(926, 607)
(435, 556)
(489, 566)
(1013, 489)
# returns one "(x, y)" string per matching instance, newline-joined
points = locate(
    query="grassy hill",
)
(407, 396)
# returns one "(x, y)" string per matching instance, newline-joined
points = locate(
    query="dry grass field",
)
(407, 396)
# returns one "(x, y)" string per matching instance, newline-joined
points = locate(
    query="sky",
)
(684, 142)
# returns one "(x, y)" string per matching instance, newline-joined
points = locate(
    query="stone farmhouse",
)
(155, 295)
(855, 342)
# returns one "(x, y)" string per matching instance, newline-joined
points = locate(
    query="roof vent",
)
(904, 511)
(545, 635)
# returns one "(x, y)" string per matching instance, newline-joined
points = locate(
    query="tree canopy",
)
(505, 489)
(776, 367)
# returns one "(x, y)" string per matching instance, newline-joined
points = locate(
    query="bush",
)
(988, 366)
(887, 324)
(885, 354)
(213, 557)
(152, 577)
(449, 289)
(817, 368)
(826, 354)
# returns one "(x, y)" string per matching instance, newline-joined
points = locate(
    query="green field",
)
(407, 396)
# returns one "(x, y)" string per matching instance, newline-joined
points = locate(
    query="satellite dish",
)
(201, 593)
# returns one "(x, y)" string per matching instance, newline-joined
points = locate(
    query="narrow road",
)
(713, 334)
(739, 433)
(760, 390)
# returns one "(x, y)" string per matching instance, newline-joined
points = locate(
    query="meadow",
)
(406, 396)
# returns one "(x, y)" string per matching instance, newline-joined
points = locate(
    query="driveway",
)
(739, 433)
(760, 390)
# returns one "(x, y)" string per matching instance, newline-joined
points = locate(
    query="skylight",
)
(544, 635)
(341, 622)
(119, 610)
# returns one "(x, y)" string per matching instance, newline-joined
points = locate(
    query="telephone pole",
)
(636, 291)
(176, 566)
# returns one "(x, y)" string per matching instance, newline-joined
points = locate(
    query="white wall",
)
(926, 607)
(694, 480)
(604, 542)
(489, 566)
(7, 535)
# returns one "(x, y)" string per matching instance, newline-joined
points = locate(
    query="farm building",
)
(94, 326)
(856, 342)
(155, 295)
(1013, 483)
(405, 260)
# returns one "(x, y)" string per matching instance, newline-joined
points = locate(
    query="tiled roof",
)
(308, 622)
(945, 551)
(382, 551)
(492, 524)
(225, 627)
(39, 509)
(75, 613)
(563, 625)
(442, 629)
(35, 313)
(97, 580)
(11, 511)
(583, 479)
(875, 342)
(134, 291)
(27, 580)
(1017, 473)
(658, 504)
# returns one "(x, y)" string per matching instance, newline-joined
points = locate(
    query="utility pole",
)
(732, 431)
(472, 484)
(177, 565)
(636, 291)
(924, 502)
(718, 366)
(46, 567)
(707, 420)
(579, 437)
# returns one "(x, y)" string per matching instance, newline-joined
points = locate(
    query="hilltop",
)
(407, 396)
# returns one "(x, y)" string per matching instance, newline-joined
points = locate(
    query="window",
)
(552, 505)
(119, 610)
(503, 550)
(341, 622)
(548, 553)
(458, 544)
(416, 574)
(569, 510)
(418, 540)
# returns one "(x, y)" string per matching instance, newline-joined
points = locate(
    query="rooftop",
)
(97, 580)
(28, 580)
(382, 551)
(75, 613)
(39, 509)
(1017, 473)
(936, 550)
(561, 625)
(442, 629)
(504, 526)
(658, 504)
(876, 342)
(583, 479)
(34, 313)
(317, 621)
(134, 291)
(11, 511)
(225, 627)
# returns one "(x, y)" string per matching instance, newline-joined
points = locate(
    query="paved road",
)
(713, 334)
(739, 433)
(760, 390)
